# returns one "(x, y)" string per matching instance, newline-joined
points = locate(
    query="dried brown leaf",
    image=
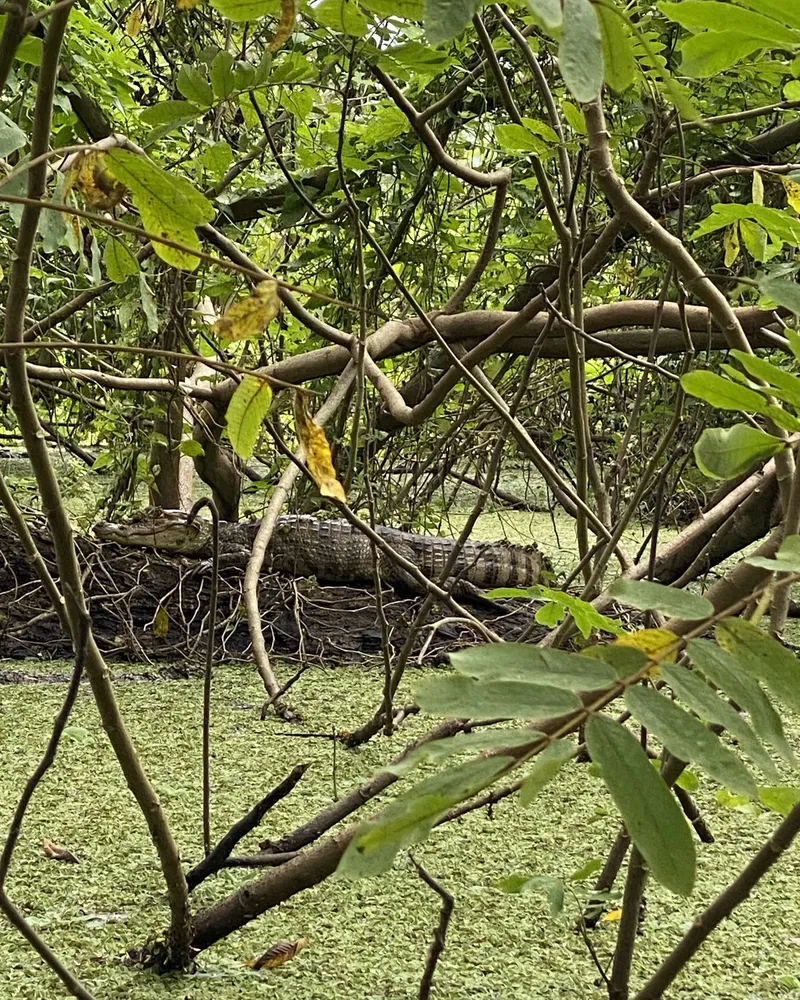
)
(278, 954)
(94, 181)
(58, 853)
(285, 25)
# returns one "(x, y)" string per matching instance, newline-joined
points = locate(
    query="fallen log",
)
(153, 607)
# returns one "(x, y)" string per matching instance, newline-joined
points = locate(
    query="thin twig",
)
(439, 935)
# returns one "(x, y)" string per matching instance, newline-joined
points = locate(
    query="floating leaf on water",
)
(58, 853)
(278, 954)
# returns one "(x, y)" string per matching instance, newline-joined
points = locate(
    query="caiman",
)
(333, 550)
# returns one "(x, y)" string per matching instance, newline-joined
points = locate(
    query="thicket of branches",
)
(504, 237)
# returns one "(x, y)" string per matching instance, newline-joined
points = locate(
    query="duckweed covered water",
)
(367, 940)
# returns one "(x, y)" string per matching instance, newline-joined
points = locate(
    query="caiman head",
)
(162, 530)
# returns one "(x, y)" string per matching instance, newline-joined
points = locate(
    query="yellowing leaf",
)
(170, 207)
(652, 642)
(318, 451)
(792, 189)
(611, 916)
(186, 4)
(161, 623)
(730, 242)
(757, 188)
(246, 411)
(90, 176)
(278, 954)
(285, 25)
(133, 25)
(249, 317)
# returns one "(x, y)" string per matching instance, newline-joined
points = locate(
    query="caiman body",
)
(332, 550)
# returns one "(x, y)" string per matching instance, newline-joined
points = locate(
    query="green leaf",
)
(719, 16)
(547, 13)
(410, 818)
(246, 10)
(580, 51)
(785, 293)
(476, 742)
(550, 615)
(216, 158)
(149, 307)
(446, 19)
(298, 102)
(763, 658)
(12, 137)
(586, 871)
(169, 113)
(648, 808)
(697, 695)
(712, 52)
(787, 558)
(386, 124)
(725, 452)
(647, 596)
(780, 800)
(619, 62)
(545, 768)
(194, 86)
(191, 448)
(687, 738)
(518, 661)
(724, 670)
(552, 887)
(412, 10)
(518, 139)
(574, 117)
(341, 15)
(223, 77)
(30, 50)
(786, 13)
(169, 206)
(786, 385)
(249, 405)
(754, 238)
(119, 262)
(468, 698)
(722, 392)
(587, 617)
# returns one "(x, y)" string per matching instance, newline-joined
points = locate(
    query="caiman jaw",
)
(169, 537)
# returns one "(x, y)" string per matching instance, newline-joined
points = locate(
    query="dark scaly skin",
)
(334, 550)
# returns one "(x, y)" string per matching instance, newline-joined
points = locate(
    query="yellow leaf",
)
(730, 242)
(318, 451)
(611, 916)
(90, 176)
(792, 192)
(133, 25)
(651, 641)
(186, 4)
(161, 623)
(285, 25)
(249, 317)
(278, 954)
